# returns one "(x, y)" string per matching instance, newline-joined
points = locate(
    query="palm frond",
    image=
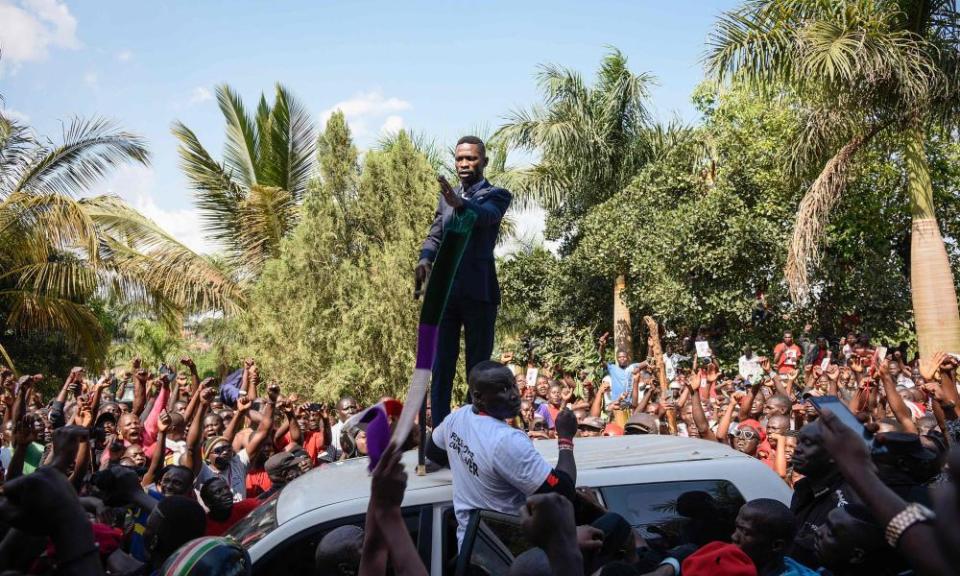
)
(147, 261)
(294, 137)
(242, 142)
(217, 196)
(90, 149)
(813, 215)
(76, 322)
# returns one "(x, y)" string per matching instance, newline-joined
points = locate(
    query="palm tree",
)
(591, 142)
(860, 68)
(58, 251)
(249, 202)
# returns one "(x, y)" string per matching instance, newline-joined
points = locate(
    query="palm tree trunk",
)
(934, 295)
(622, 333)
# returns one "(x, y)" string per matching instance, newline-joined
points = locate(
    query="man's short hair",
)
(776, 520)
(339, 549)
(476, 141)
(782, 400)
(487, 372)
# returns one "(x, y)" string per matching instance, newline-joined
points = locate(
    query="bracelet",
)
(564, 444)
(904, 520)
(672, 562)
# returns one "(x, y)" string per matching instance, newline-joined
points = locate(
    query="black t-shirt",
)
(812, 501)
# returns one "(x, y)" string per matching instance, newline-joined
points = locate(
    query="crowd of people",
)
(141, 473)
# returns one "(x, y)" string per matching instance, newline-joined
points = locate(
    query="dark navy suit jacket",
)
(477, 276)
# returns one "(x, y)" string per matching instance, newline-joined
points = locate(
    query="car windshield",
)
(260, 522)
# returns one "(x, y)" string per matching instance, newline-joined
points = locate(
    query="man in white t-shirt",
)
(346, 407)
(495, 466)
(749, 365)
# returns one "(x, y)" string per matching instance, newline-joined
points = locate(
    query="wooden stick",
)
(422, 447)
(657, 352)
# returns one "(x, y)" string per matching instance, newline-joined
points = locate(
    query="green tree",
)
(591, 141)
(154, 342)
(334, 312)
(861, 69)
(249, 202)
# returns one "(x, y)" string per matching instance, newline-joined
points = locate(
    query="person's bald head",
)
(492, 390)
(338, 553)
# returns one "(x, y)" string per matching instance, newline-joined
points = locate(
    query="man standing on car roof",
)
(495, 466)
(475, 295)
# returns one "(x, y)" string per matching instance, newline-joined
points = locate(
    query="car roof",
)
(349, 479)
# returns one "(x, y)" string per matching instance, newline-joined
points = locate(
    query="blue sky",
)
(440, 68)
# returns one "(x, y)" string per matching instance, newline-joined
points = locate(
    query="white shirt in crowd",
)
(906, 382)
(750, 368)
(335, 431)
(669, 367)
(495, 466)
(235, 475)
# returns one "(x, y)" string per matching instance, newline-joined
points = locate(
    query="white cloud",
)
(90, 79)
(137, 186)
(29, 28)
(200, 95)
(392, 124)
(15, 115)
(124, 56)
(369, 107)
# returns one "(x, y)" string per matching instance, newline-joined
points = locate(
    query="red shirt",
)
(238, 512)
(788, 357)
(257, 482)
(314, 443)
(554, 412)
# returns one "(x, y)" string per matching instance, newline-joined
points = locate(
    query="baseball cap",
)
(279, 462)
(612, 429)
(641, 424)
(756, 426)
(592, 422)
(718, 559)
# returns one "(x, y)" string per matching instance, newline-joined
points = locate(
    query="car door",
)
(491, 542)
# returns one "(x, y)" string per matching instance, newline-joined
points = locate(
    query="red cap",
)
(756, 426)
(718, 559)
(612, 429)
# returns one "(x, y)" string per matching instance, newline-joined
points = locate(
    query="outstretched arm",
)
(263, 430)
(159, 450)
(699, 418)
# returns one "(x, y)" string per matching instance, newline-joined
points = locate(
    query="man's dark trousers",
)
(478, 320)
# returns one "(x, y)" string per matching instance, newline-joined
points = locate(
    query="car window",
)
(257, 524)
(668, 514)
(498, 539)
(296, 554)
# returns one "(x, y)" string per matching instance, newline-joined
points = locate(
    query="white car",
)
(640, 477)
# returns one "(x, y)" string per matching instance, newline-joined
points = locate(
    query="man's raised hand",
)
(273, 392)
(566, 424)
(243, 404)
(163, 422)
(389, 481)
(449, 196)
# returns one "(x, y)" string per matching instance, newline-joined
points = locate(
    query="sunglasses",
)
(220, 449)
(747, 434)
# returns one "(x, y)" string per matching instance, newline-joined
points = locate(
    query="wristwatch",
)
(912, 514)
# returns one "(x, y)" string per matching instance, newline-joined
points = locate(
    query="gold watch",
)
(912, 514)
